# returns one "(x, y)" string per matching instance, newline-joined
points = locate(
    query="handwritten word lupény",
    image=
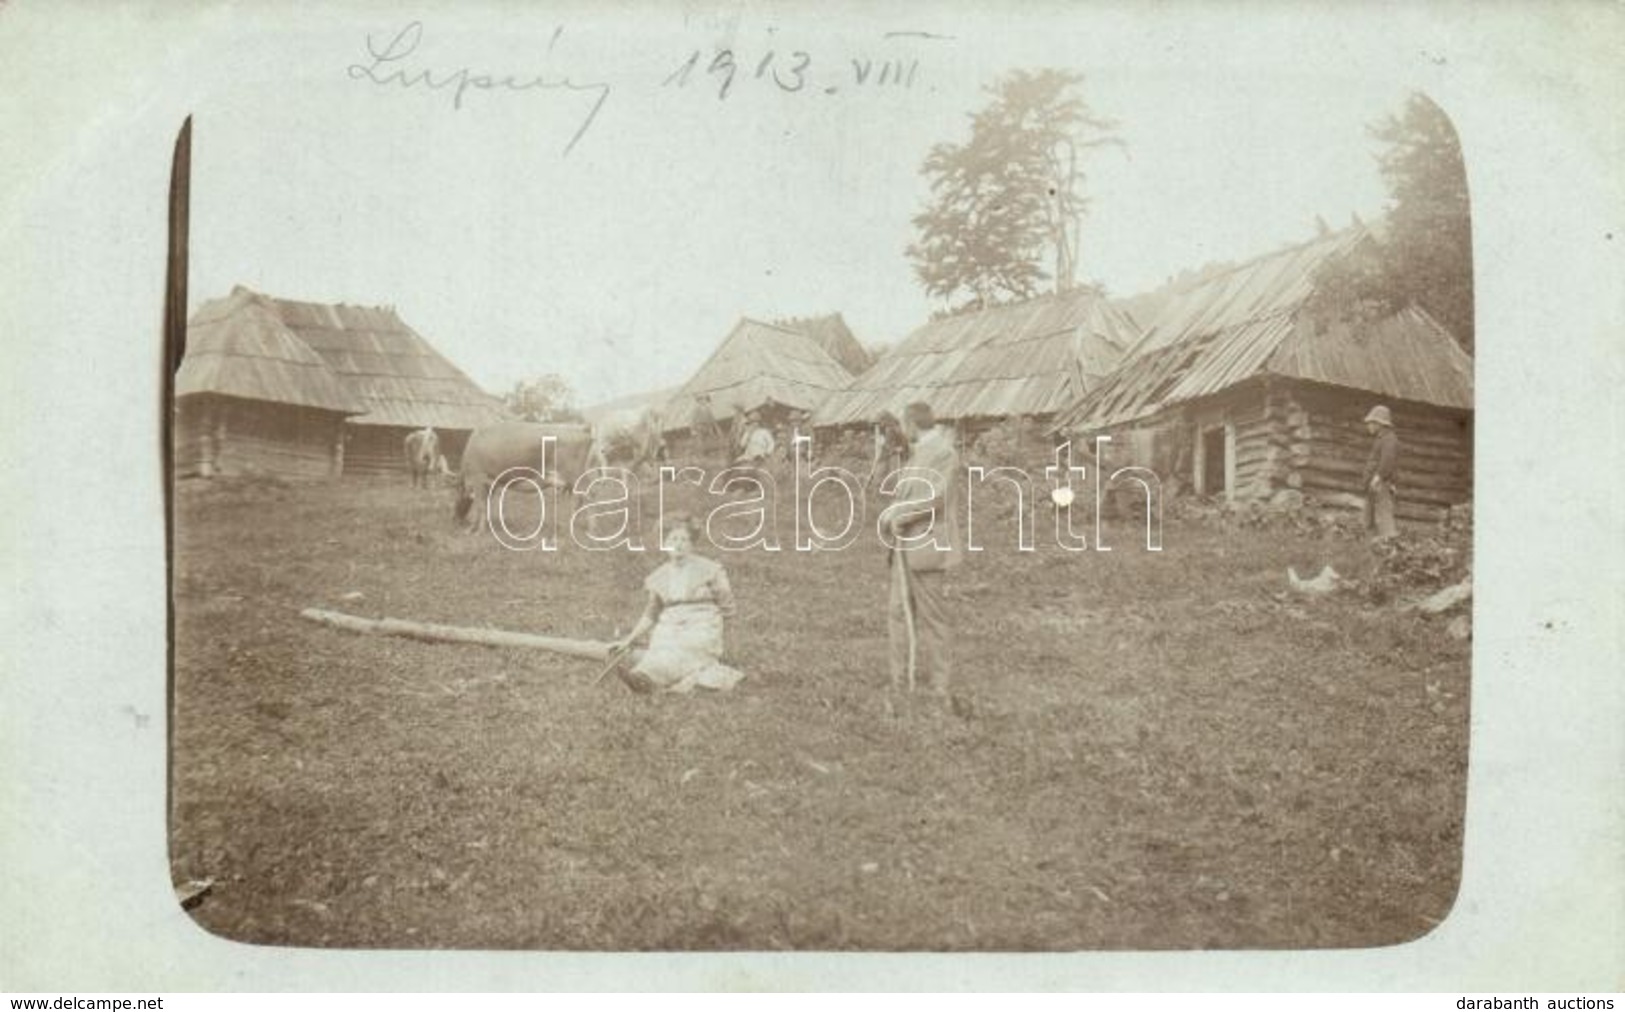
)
(382, 71)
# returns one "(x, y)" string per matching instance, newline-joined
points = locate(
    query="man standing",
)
(927, 539)
(1380, 470)
(739, 430)
(703, 424)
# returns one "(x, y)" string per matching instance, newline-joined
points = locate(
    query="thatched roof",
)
(835, 337)
(1026, 358)
(758, 365)
(237, 347)
(1252, 321)
(388, 371)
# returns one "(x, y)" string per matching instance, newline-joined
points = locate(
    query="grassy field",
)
(1165, 752)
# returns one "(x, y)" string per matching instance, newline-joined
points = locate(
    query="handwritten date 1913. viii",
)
(791, 73)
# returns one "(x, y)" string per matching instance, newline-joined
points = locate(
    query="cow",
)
(422, 454)
(497, 447)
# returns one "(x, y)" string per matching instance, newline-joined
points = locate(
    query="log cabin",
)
(304, 389)
(1023, 360)
(771, 369)
(251, 398)
(1238, 391)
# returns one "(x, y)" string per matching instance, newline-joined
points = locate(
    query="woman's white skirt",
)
(685, 651)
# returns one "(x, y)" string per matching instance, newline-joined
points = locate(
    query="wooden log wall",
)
(1311, 439)
(277, 439)
(1326, 448)
(230, 436)
(378, 452)
(1256, 422)
(193, 452)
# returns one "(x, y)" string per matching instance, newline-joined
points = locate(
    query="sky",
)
(619, 258)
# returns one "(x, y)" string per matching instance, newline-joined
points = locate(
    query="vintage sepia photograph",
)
(729, 483)
(774, 497)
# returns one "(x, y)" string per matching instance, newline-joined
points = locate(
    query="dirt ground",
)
(1166, 750)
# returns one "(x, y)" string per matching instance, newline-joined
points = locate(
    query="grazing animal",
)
(502, 445)
(422, 453)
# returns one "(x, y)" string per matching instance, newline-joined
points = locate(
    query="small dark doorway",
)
(1213, 460)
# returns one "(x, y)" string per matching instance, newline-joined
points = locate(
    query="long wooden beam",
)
(429, 632)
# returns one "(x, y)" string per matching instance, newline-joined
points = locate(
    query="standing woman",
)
(689, 600)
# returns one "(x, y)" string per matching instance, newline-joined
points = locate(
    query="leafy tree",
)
(1010, 193)
(1426, 256)
(1431, 225)
(548, 398)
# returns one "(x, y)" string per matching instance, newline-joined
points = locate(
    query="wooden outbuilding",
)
(1026, 359)
(762, 367)
(1239, 391)
(251, 398)
(362, 364)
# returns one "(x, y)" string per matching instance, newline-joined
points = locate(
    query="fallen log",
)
(431, 633)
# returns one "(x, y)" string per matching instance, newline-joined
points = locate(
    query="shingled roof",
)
(387, 374)
(238, 347)
(756, 365)
(1026, 358)
(1252, 321)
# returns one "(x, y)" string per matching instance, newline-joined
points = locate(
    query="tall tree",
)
(1431, 233)
(1426, 255)
(1010, 194)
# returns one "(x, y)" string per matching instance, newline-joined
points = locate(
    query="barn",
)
(763, 367)
(251, 398)
(392, 378)
(1026, 359)
(1240, 392)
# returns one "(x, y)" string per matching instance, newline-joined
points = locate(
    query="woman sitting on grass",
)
(689, 598)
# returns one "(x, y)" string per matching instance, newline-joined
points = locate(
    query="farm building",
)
(761, 367)
(251, 359)
(1027, 359)
(252, 397)
(1237, 390)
